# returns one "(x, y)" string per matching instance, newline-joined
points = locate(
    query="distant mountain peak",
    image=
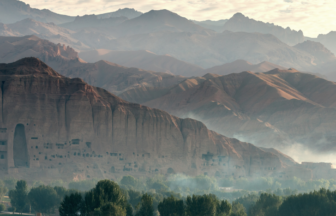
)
(130, 13)
(239, 15)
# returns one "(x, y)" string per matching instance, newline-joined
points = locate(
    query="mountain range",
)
(58, 126)
(151, 91)
(166, 33)
(272, 109)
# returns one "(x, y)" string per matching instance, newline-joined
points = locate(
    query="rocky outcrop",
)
(68, 128)
(15, 48)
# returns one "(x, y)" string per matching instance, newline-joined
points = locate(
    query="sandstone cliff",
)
(54, 126)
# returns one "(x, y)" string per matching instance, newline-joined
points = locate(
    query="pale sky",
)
(313, 17)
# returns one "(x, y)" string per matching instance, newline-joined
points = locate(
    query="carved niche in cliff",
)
(20, 149)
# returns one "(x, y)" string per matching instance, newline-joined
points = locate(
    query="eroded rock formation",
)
(73, 129)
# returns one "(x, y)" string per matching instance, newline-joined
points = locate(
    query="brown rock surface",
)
(59, 126)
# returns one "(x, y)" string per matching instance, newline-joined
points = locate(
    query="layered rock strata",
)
(53, 126)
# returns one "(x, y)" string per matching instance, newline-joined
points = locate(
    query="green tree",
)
(248, 201)
(238, 209)
(71, 205)
(267, 205)
(134, 197)
(2, 207)
(322, 202)
(171, 207)
(19, 196)
(61, 192)
(106, 191)
(201, 206)
(43, 199)
(146, 208)
(223, 207)
(111, 209)
(129, 210)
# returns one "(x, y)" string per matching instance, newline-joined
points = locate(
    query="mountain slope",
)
(13, 11)
(159, 20)
(241, 23)
(320, 53)
(93, 22)
(328, 40)
(47, 31)
(242, 65)
(65, 60)
(77, 130)
(278, 108)
(145, 60)
(216, 49)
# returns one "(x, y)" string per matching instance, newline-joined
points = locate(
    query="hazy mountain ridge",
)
(113, 77)
(215, 49)
(166, 33)
(47, 31)
(130, 13)
(242, 65)
(93, 22)
(13, 11)
(145, 60)
(213, 25)
(241, 23)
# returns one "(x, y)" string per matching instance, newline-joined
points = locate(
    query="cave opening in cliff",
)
(20, 147)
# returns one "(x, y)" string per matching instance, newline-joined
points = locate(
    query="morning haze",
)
(167, 108)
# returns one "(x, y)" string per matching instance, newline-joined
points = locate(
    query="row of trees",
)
(107, 198)
(186, 185)
(321, 202)
(45, 199)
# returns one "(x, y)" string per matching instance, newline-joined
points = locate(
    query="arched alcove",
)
(20, 147)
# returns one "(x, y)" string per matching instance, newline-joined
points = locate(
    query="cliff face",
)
(59, 126)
